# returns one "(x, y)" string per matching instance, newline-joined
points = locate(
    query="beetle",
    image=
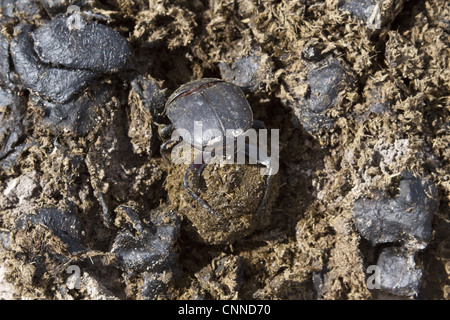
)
(220, 106)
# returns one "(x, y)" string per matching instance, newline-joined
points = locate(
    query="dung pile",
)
(360, 93)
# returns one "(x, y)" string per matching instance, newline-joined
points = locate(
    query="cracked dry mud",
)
(359, 89)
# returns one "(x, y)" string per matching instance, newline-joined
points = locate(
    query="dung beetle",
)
(219, 106)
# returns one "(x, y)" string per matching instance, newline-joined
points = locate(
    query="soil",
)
(388, 113)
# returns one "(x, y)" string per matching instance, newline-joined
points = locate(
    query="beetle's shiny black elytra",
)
(215, 104)
(218, 105)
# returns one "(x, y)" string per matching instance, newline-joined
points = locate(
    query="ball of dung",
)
(233, 191)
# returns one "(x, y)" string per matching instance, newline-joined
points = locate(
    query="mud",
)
(360, 91)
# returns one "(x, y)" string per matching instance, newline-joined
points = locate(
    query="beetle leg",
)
(196, 168)
(263, 159)
(166, 131)
(167, 146)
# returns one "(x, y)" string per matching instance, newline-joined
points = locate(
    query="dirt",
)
(388, 113)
